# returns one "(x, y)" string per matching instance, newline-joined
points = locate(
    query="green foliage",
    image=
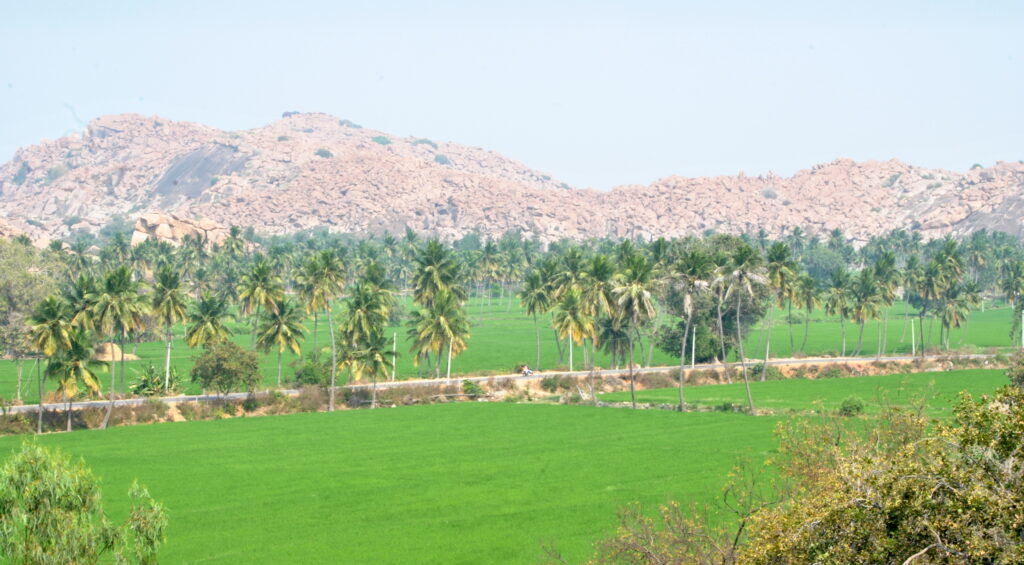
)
(72, 220)
(424, 141)
(54, 173)
(772, 373)
(214, 180)
(441, 159)
(324, 153)
(225, 366)
(150, 382)
(381, 140)
(315, 370)
(471, 388)
(1015, 369)
(349, 124)
(769, 193)
(976, 166)
(50, 512)
(889, 182)
(550, 384)
(282, 138)
(852, 406)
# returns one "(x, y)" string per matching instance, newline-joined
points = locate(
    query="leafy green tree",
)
(443, 324)
(224, 366)
(207, 319)
(282, 329)
(50, 513)
(169, 304)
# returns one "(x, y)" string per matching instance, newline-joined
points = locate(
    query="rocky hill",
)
(312, 170)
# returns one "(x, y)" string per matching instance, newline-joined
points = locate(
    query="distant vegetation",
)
(424, 141)
(441, 159)
(349, 124)
(324, 153)
(381, 140)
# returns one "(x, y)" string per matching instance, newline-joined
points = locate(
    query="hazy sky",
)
(596, 93)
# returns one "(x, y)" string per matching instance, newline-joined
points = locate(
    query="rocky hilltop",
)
(311, 170)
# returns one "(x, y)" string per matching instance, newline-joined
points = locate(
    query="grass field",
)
(456, 483)
(503, 337)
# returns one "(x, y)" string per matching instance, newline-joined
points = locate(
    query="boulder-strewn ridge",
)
(312, 170)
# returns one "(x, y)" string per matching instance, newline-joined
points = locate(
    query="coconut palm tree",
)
(282, 328)
(535, 300)
(74, 365)
(866, 303)
(808, 296)
(373, 359)
(206, 321)
(930, 288)
(169, 305)
(837, 300)
(957, 302)
(780, 271)
(49, 332)
(571, 320)
(693, 274)
(118, 308)
(442, 324)
(720, 285)
(635, 303)
(887, 276)
(1012, 286)
(327, 277)
(436, 270)
(744, 278)
(260, 288)
(367, 309)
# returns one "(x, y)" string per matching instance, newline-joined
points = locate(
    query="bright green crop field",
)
(455, 483)
(504, 337)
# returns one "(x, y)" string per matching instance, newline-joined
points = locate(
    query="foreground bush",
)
(50, 513)
(900, 491)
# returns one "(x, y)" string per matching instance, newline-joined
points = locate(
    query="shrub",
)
(832, 372)
(1015, 369)
(349, 124)
(72, 220)
(153, 410)
(772, 374)
(310, 399)
(664, 379)
(892, 180)
(250, 404)
(471, 388)
(381, 140)
(550, 384)
(214, 180)
(195, 411)
(976, 166)
(151, 381)
(22, 174)
(282, 138)
(424, 141)
(54, 173)
(324, 153)
(770, 193)
(852, 406)
(314, 371)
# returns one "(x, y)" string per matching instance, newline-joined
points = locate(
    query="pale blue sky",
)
(596, 93)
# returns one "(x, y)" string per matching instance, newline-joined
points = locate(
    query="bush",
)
(424, 141)
(225, 366)
(311, 399)
(1015, 369)
(832, 372)
(54, 173)
(349, 124)
(22, 174)
(151, 381)
(773, 373)
(314, 371)
(153, 410)
(441, 160)
(550, 384)
(282, 138)
(852, 406)
(471, 388)
(72, 220)
(324, 153)
(195, 411)
(381, 140)
(770, 193)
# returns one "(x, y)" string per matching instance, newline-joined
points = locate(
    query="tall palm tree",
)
(1012, 285)
(635, 303)
(206, 321)
(720, 284)
(49, 332)
(535, 300)
(282, 328)
(373, 359)
(693, 274)
(436, 270)
(957, 302)
(571, 320)
(119, 308)
(260, 288)
(837, 301)
(930, 288)
(808, 295)
(442, 324)
(328, 278)
(744, 278)
(170, 304)
(74, 365)
(866, 303)
(780, 271)
(887, 276)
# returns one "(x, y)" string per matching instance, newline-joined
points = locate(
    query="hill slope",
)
(310, 170)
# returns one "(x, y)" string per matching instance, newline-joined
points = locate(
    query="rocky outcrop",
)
(313, 170)
(173, 229)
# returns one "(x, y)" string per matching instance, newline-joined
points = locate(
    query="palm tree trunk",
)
(721, 341)
(842, 325)
(536, 329)
(110, 405)
(632, 376)
(789, 322)
(921, 319)
(39, 377)
(570, 350)
(315, 320)
(334, 358)
(373, 393)
(860, 338)
(278, 367)
(682, 363)
(20, 365)
(255, 320)
(767, 343)
(807, 330)
(561, 350)
(167, 360)
(67, 401)
(743, 361)
(448, 368)
(124, 336)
